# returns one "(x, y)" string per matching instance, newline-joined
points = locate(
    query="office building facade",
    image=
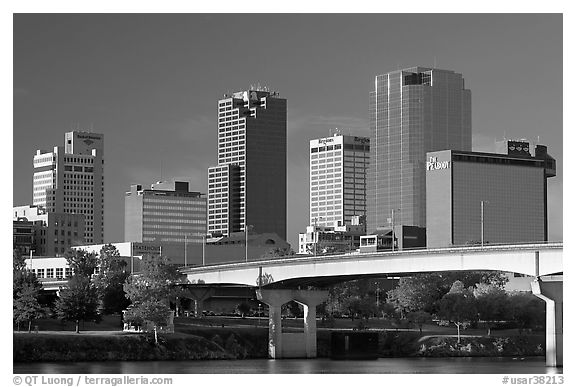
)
(478, 198)
(338, 166)
(248, 186)
(53, 232)
(412, 112)
(70, 180)
(166, 213)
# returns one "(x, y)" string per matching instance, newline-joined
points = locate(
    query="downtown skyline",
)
(151, 83)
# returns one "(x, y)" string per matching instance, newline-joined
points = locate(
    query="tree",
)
(424, 291)
(155, 311)
(419, 318)
(79, 302)
(418, 293)
(278, 252)
(21, 276)
(527, 310)
(155, 280)
(151, 291)
(458, 306)
(81, 262)
(26, 306)
(243, 308)
(492, 304)
(110, 280)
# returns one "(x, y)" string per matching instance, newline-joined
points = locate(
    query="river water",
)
(530, 365)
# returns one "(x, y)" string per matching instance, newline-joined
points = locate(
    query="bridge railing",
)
(356, 254)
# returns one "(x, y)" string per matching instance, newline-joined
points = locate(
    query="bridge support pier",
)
(275, 298)
(550, 290)
(199, 296)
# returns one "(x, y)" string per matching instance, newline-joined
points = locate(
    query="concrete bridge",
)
(280, 279)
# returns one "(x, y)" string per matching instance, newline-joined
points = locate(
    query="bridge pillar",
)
(310, 299)
(550, 290)
(274, 298)
(199, 295)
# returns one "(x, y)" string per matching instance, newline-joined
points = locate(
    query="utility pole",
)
(185, 250)
(482, 221)
(203, 250)
(31, 251)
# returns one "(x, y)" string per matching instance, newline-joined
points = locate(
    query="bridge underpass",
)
(283, 280)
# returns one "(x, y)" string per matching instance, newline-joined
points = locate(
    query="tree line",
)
(459, 298)
(100, 284)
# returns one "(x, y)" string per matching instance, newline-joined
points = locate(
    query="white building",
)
(70, 180)
(338, 166)
(49, 268)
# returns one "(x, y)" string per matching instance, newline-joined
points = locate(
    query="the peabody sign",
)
(433, 164)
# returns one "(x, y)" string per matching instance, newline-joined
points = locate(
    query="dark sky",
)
(151, 82)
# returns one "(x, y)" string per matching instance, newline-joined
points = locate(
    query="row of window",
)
(87, 160)
(53, 272)
(148, 208)
(78, 168)
(152, 227)
(153, 222)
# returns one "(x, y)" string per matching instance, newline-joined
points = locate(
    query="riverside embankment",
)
(211, 343)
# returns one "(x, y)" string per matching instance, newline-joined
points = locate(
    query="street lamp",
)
(482, 221)
(392, 221)
(31, 251)
(185, 250)
(203, 249)
(246, 229)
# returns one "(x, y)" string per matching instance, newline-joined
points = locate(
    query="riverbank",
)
(247, 343)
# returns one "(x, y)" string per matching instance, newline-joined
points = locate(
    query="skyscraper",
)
(70, 180)
(412, 111)
(338, 167)
(248, 186)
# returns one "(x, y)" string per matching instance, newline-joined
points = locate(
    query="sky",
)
(151, 82)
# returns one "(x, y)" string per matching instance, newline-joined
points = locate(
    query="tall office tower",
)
(248, 186)
(338, 167)
(70, 180)
(412, 111)
(167, 212)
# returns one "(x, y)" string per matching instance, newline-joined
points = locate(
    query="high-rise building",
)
(412, 111)
(167, 213)
(70, 180)
(248, 186)
(338, 166)
(488, 198)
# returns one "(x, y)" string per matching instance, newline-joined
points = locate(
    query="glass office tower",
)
(248, 186)
(412, 111)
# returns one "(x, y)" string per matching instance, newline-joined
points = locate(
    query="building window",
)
(49, 273)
